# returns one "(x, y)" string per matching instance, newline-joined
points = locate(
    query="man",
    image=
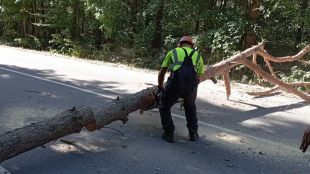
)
(187, 68)
(305, 141)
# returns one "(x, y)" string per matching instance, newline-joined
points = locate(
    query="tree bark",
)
(227, 83)
(299, 55)
(71, 121)
(221, 67)
(270, 68)
(26, 138)
(283, 86)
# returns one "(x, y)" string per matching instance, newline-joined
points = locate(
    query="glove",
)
(160, 89)
(305, 141)
(92, 126)
(158, 94)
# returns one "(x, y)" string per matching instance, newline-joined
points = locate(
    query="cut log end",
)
(92, 126)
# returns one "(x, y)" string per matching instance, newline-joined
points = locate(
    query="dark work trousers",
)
(170, 96)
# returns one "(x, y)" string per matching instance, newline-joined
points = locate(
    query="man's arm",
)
(161, 77)
(201, 69)
(305, 141)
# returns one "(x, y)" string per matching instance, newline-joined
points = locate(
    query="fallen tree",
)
(241, 58)
(73, 120)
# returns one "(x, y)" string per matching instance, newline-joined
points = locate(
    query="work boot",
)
(168, 136)
(193, 136)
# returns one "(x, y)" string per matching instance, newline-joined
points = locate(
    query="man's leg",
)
(191, 114)
(167, 100)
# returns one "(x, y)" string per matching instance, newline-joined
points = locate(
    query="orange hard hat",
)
(186, 39)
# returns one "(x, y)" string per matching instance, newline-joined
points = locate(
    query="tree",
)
(136, 30)
(250, 35)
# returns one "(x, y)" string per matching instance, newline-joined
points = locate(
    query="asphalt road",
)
(241, 135)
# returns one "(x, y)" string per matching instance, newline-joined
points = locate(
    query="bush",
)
(296, 75)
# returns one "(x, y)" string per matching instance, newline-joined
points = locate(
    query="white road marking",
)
(59, 83)
(275, 144)
(3, 171)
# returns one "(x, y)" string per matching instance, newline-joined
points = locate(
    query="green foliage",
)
(296, 75)
(225, 39)
(61, 43)
(124, 30)
(28, 42)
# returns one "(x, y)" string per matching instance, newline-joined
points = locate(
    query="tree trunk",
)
(35, 20)
(23, 139)
(44, 32)
(76, 31)
(197, 25)
(1, 29)
(157, 40)
(303, 5)
(250, 35)
(134, 6)
(71, 121)
(98, 37)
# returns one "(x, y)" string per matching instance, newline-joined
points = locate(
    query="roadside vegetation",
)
(139, 32)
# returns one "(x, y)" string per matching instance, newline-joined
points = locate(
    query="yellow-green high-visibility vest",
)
(175, 58)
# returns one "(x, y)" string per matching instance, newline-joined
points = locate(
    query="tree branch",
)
(264, 93)
(227, 83)
(269, 57)
(283, 86)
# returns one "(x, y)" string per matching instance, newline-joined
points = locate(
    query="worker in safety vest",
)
(306, 140)
(187, 68)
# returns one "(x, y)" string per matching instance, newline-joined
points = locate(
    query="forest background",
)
(140, 32)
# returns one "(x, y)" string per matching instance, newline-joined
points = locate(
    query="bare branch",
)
(270, 68)
(283, 86)
(227, 83)
(264, 93)
(219, 68)
(266, 55)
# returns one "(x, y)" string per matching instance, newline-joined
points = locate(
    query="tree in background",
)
(138, 31)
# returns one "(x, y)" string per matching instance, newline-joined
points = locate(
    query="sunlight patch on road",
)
(255, 123)
(230, 138)
(5, 76)
(80, 147)
(272, 120)
(63, 148)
